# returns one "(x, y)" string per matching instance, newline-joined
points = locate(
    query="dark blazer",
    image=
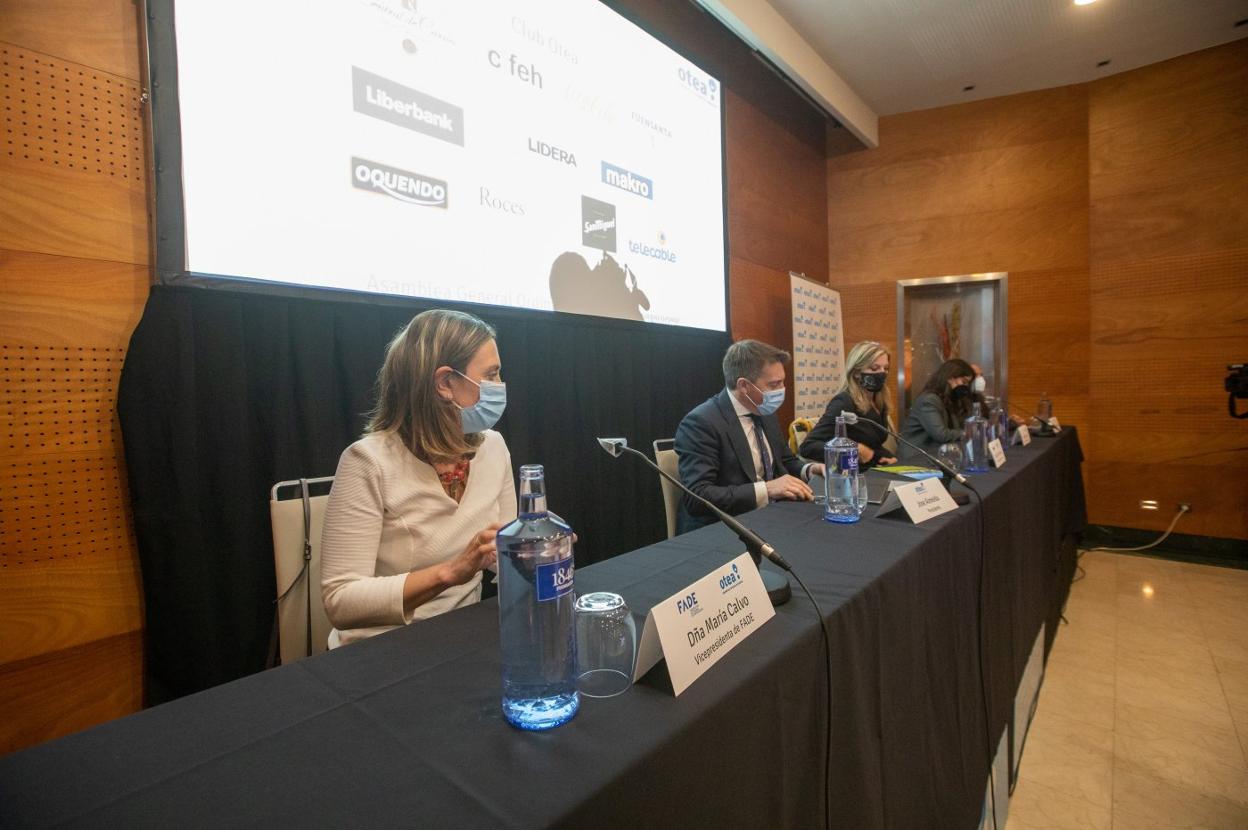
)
(823, 431)
(929, 425)
(715, 461)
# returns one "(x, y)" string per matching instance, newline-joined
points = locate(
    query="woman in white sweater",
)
(416, 502)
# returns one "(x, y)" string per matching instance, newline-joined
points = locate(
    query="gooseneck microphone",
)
(852, 418)
(753, 542)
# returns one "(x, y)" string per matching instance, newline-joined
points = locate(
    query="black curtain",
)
(225, 393)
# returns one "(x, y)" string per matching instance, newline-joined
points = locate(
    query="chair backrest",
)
(297, 515)
(665, 456)
(798, 430)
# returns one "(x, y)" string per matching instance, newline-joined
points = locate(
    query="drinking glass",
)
(606, 644)
(861, 493)
(951, 454)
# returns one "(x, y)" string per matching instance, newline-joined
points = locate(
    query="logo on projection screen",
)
(404, 185)
(704, 86)
(626, 180)
(390, 101)
(597, 224)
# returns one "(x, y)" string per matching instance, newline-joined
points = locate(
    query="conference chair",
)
(297, 512)
(668, 463)
(798, 430)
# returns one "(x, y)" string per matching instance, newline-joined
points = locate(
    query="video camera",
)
(1237, 387)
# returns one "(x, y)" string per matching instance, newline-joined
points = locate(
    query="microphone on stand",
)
(852, 418)
(777, 585)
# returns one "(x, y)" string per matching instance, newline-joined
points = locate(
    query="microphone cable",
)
(827, 666)
(1183, 508)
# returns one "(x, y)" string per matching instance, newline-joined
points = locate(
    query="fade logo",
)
(688, 604)
(704, 86)
(597, 224)
(551, 152)
(626, 180)
(404, 185)
(391, 101)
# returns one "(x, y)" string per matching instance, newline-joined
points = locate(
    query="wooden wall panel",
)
(71, 170)
(73, 280)
(100, 35)
(1120, 211)
(996, 185)
(107, 674)
(1169, 220)
(777, 222)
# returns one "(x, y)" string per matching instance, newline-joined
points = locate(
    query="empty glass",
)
(951, 454)
(606, 644)
(976, 436)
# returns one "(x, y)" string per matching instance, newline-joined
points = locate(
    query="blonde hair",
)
(859, 358)
(407, 400)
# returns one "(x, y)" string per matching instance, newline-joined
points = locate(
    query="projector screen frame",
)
(166, 207)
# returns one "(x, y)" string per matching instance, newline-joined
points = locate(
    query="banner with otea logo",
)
(818, 345)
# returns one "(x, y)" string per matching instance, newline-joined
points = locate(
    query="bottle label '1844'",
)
(554, 579)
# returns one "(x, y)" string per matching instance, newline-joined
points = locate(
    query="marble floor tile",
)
(1143, 799)
(1154, 661)
(1037, 807)
(1071, 756)
(1150, 732)
(1233, 675)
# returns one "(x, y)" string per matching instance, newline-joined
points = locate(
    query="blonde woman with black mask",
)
(416, 502)
(865, 391)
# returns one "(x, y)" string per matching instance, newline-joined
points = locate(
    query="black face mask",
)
(872, 381)
(959, 393)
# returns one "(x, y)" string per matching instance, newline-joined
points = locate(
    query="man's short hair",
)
(747, 359)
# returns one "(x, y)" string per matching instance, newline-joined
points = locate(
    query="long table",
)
(406, 728)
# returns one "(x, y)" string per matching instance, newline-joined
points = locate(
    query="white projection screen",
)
(545, 154)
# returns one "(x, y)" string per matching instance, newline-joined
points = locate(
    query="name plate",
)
(922, 500)
(1022, 435)
(695, 628)
(1053, 423)
(997, 453)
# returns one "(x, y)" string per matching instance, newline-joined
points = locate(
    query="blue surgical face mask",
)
(771, 400)
(489, 406)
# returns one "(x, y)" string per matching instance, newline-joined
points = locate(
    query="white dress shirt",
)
(747, 426)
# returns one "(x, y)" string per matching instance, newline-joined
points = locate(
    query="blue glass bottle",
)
(840, 475)
(535, 612)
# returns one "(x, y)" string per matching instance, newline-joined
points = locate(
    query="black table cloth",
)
(406, 728)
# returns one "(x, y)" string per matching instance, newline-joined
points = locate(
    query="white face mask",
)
(979, 384)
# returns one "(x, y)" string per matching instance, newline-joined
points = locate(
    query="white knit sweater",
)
(388, 515)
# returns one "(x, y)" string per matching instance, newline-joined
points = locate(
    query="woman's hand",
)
(887, 461)
(865, 453)
(481, 552)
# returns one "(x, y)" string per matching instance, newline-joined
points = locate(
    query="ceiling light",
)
(1084, 2)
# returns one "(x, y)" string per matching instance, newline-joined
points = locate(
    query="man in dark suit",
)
(730, 447)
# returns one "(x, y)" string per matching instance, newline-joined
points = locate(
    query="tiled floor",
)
(1143, 717)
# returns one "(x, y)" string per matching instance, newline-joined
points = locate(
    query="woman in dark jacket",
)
(938, 413)
(865, 391)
